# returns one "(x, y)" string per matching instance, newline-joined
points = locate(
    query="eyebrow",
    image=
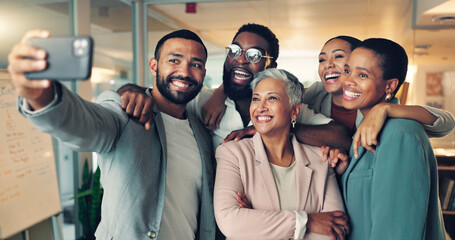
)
(335, 50)
(257, 47)
(361, 68)
(181, 56)
(269, 93)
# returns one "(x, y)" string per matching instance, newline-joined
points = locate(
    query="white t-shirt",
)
(286, 184)
(183, 181)
(233, 121)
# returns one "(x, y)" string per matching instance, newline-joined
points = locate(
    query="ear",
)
(391, 85)
(272, 65)
(153, 65)
(295, 111)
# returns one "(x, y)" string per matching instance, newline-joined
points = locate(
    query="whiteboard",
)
(28, 180)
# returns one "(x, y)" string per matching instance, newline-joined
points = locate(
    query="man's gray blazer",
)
(133, 162)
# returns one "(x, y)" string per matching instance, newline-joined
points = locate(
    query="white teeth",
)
(241, 73)
(352, 94)
(180, 84)
(264, 118)
(332, 75)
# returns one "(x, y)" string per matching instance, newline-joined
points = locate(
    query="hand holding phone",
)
(68, 58)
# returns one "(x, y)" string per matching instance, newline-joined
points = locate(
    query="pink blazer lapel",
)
(265, 172)
(303, 174)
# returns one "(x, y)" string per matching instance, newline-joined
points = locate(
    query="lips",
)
(263, 118)
(331, 77)
(181, 84)
(241, 76)
(351, 95)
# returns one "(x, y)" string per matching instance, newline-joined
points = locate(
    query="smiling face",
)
(180, 70)
(270, 109)
(362, 81)
(332, 59)
(238, 73)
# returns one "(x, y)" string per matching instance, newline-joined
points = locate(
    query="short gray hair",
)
(294, 88)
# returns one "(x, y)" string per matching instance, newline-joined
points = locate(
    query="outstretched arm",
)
(26, 58)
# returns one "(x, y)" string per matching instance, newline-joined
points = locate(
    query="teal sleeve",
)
(401, 187)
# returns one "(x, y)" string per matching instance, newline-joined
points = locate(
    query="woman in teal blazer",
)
(390, 193)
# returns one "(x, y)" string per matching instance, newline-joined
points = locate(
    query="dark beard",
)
(234, 91)
(176, 97)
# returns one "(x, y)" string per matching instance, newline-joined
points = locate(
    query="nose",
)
(347, 80)
(185, 70)
(329, 63)
(262, 106)
(242, 58)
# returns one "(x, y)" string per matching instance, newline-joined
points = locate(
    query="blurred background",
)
(126, 32)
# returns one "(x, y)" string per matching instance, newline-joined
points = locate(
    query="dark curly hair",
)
(265, 33)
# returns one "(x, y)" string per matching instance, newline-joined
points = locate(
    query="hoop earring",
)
(293, 121)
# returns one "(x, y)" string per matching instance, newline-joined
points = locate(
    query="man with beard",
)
(158, 184)
(253, 49)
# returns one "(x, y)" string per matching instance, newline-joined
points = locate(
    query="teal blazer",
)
(393, 194)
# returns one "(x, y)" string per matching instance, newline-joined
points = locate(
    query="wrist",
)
(383, 108)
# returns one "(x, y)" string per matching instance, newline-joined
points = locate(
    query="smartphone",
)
(68, 58)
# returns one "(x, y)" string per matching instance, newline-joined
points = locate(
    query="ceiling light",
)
(444, 19)
(422, 46)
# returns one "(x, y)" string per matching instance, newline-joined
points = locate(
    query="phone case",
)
(68, 58)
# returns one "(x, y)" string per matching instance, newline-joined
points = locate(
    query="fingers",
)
(229, 137)
(146, 112)
(211, 123)
(38, 33)
(339, 233)
(325, 152)
(218, 118)
(242, 201)
(355, 144)
(334, 157)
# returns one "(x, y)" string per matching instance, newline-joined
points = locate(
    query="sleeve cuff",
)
(29, 111)
(301, 219)
(148, 92)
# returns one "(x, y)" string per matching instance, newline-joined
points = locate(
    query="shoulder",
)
(399, 126)
(317, 89)
(310, 154)
(108, 96)
(243, 146)
(403, 136)
(204, 95)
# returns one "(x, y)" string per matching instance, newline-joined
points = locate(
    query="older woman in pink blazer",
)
(292, 192)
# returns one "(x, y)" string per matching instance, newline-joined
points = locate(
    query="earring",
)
(293, 121)
(388, 97)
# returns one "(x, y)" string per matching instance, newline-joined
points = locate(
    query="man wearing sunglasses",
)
(253, 49)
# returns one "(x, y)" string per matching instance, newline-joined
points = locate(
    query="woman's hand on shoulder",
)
(333, 224)
(336, 157)
(367, 133)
